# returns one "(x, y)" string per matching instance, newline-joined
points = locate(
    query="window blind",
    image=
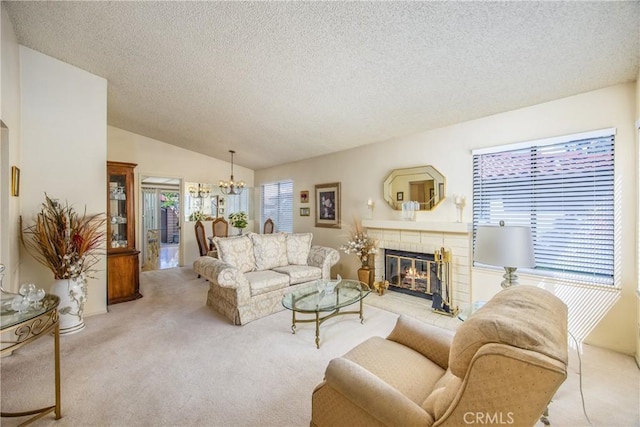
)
(276, 202)
(564, 191)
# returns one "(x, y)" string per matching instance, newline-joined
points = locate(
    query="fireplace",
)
(412, 273)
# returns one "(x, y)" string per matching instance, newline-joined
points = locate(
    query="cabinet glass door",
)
(118, 211)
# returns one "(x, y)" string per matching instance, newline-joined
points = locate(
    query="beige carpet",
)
(168, 360)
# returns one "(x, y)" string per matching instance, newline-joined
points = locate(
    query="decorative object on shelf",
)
(460, 201)
(409, 210)
(231, 187)
(328, 205)
(507, 246)
(381, 286)
(239, 220)
(68, 244)
(365, 248)
(443, 297)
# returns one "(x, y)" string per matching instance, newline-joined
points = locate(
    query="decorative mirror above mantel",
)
(422, 184)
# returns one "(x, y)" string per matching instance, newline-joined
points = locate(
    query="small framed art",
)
(305, 211)
(328, 205)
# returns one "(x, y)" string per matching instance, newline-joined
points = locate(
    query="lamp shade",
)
(504, 246)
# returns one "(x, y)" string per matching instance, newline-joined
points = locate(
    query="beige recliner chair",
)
(502, 366)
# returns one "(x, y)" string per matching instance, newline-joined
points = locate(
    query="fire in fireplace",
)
(412, 273)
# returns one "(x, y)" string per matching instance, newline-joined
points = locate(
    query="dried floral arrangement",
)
(360, 243)
(64, 241)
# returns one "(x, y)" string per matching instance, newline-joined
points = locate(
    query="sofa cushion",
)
(300, 273)
(264, 281)
(270, 250)
(236, 251)
(298, 247)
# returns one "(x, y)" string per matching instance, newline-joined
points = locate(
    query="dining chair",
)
(201, 238)
(268, 226)
(220, 227)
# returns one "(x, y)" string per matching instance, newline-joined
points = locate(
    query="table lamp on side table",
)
(507, 246)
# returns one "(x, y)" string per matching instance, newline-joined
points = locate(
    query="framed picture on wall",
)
(304, 197)
(400, 196)
(328, 205)
(305, 211)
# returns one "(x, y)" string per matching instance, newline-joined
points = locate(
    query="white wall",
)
(156, 158)
(63, 151)
(363, 170)
(9, 151)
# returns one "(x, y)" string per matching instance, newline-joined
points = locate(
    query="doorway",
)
(160, 222)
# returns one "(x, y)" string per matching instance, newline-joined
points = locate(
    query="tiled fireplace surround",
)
(426, 237)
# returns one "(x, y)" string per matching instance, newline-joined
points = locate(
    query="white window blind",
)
(277, 204)
(564, 191)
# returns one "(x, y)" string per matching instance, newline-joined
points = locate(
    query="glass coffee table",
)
(18, 329)
(309, 299)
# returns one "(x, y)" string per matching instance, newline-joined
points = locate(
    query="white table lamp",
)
(510, 247)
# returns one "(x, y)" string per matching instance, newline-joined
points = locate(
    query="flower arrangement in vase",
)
(239, 220)
(360, 244)
(68, 243)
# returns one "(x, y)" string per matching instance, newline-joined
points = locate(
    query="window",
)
(277, 204)
(563, 188)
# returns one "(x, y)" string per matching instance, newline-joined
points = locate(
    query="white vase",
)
(73, 296)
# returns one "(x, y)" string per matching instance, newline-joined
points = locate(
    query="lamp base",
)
(510, 277)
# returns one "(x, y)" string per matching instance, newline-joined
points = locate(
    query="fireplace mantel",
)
(438, 227)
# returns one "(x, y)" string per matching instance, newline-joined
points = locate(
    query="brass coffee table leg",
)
(317, 329)
(293, 322)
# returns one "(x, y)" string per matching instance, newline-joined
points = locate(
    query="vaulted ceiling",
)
(285, 81)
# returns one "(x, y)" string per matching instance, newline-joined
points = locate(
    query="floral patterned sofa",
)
(253, 272)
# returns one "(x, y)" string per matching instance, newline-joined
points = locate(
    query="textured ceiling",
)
(285, 81)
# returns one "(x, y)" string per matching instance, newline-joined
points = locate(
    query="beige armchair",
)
(502, 366)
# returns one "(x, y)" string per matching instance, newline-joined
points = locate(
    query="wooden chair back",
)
(268, 226)
(201, 237)
(220, 227)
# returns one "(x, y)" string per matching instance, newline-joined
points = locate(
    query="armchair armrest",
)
(431, 341)
(324, 258)
(373, 395)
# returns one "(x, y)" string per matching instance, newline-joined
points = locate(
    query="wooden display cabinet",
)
(123, 278)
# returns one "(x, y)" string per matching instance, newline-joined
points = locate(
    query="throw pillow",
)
(270, 250)
(237, 251)
(298, 247)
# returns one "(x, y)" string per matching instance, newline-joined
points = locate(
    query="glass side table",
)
(19, 329)
(464, 314)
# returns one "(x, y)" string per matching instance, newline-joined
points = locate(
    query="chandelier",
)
(200, 192)
(231, 187)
